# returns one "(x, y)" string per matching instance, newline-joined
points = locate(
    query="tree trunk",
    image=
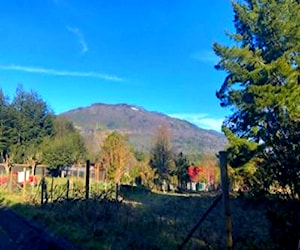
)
(7, 166)
(33, 169)
(117, 191)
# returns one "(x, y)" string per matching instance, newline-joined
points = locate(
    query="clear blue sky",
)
(155, 54)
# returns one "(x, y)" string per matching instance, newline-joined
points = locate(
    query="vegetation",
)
(25, 122)
(31, 134)
(148, 220)
(162, 157)
(65, 148)
(147, 175)
(124, 222)
(262, 87)
(182, 165)
(116, 157)
(57, 143)
(98, 120)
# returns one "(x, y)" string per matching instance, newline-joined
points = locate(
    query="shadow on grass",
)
(19, 233)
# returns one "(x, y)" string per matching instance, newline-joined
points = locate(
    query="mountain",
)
(98, 120)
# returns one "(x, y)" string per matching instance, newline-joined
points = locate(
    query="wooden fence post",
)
(68, 187)
(24, 183)
(226, 200)
(42, 190)
(52, 188)
(44, 194)
(117, 191)
(96, 173)
(87, 179)
(10, 180)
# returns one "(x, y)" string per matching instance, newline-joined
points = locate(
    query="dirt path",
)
(18, 233)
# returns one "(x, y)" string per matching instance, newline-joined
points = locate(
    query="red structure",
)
(3, 180)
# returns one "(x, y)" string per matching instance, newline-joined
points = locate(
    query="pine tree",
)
(182, 165)
(33, 121)
(7, 130)
(263, 88)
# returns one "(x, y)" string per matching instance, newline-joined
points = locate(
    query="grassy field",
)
(146, 220)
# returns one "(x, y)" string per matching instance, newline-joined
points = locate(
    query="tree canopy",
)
(262, 87)
(162, 156)
(182, 164)
(33, 121)
(30, 133)
(116, 156)
(24, 123)
(6, 126)
(65, 148)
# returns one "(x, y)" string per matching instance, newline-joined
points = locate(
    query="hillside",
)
(97, 120)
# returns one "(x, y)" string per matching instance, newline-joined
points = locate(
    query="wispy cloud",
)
(206, 56)
(201, 120)
(80, 36)
(55, 72)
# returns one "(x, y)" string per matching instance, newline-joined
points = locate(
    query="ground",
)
(18, 233)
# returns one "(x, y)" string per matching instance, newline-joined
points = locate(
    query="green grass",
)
(147, 220)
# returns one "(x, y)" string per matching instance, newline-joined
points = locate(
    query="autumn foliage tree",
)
(195, 173)
(211, 169)
(116, 156)
(146, 174)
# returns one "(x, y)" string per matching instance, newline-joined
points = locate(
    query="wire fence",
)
(77, 182)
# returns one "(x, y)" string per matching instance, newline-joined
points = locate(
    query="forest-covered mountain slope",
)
(97, 120)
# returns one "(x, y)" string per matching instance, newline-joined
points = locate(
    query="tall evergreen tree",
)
(33, 121)
(182, 164)
(4, 136)
(7, 131)
(263, 88)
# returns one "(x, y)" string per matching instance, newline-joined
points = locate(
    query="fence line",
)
(79, 182)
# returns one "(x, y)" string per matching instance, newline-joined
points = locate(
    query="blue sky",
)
(155, 54)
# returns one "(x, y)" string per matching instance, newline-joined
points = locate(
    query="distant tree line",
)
(162, 168)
